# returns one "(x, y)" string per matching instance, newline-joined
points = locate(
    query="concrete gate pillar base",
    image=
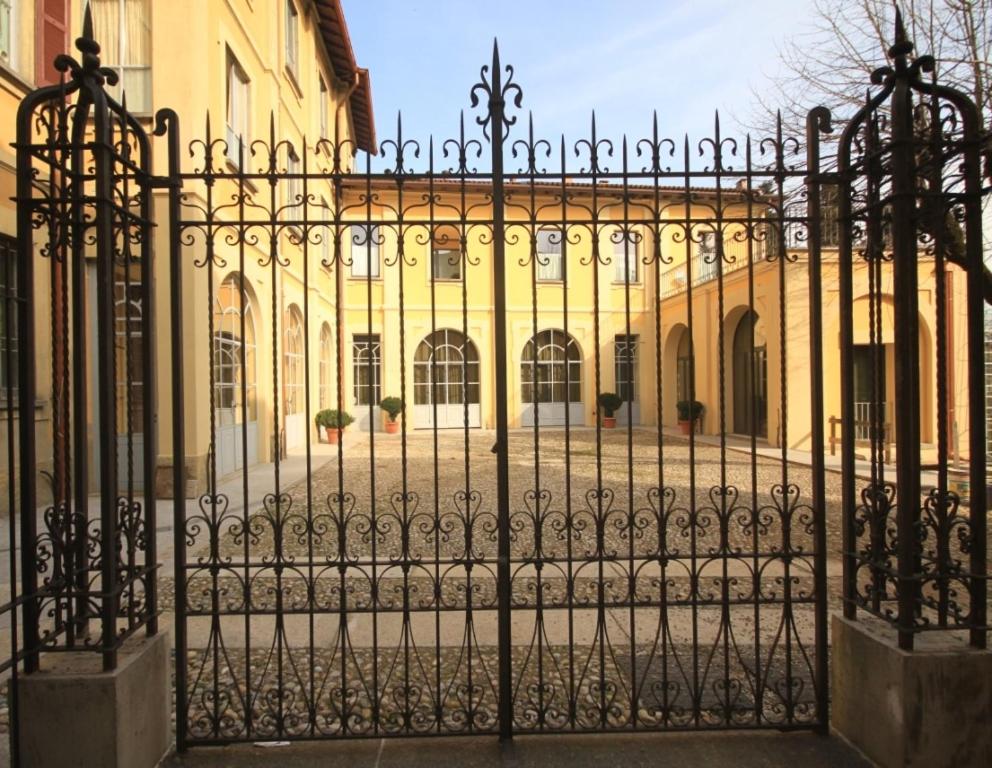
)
(72, 713)
(928, 707)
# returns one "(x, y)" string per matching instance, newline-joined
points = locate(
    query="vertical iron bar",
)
(167, 124)
(104, 180)
(496, 128)
(26, 385)
(243, 306)
(755, 512)
(845, 302)
(149, 392)
(627, 239)
(817, 121)
(9, 308)
(435, 459)
(80, 394)
(977, 466)
(311, 591)
(569, 523)
(906, 374)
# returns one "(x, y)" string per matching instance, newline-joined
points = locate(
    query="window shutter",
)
(52, 38)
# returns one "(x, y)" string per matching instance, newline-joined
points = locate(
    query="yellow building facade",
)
(362, 304)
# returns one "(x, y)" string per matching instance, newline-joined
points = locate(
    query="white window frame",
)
(550, 268)
(625, 259)
(11, 57)
(448, 256)
(705, 266)
(237, 123)
(292, 38)
(625, 348)
(549, 360)
(294, 339)
(362, 238)
(366, 357)
(112, 59)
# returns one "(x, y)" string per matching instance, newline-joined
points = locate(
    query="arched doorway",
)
(445, 380)
(236, 404)
(551, 380)
(750, 376)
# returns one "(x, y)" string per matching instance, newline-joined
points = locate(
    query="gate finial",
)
(901, 45)
(87, 22)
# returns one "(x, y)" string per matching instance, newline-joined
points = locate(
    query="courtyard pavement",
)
(684, 750)
(447, 476)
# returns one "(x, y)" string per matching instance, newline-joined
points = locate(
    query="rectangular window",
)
(366, 360)
(549, 258)
(237, 110)
(624, 257)
(324, 102)
(123, 29)
(8, 318)
(446, 262)
(7, 36)
(292, 37)
(625, 361)
(364, 250)
(705, 267)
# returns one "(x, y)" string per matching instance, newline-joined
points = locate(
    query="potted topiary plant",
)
(333, 421)
(689, 413)
(610, 402)
(393, 407)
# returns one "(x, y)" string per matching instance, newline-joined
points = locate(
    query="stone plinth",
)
(72, 713)
(928, 707)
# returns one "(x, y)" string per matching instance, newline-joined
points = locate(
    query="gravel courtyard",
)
(625, 606)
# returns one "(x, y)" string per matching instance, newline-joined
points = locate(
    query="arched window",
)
(293, 390)
(551, 368)
(326, 365)
(234, 355)
(452, 362)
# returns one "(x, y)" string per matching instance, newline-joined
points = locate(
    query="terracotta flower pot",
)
(392, 427)
(685, 426)
(609, 422)
(332, 434)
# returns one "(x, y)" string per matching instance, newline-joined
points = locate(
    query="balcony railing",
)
(705, 268)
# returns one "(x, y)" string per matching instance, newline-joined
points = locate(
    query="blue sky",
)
(623, 58)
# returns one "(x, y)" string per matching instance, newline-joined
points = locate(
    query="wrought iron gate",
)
(561, 576)
(535, 569)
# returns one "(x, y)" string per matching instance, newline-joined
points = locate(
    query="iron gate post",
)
(818, 121)
(26, 385)
(167, 124)
(906, 337)
(504, 640)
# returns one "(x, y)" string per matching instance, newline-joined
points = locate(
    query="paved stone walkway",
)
(690, 750)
